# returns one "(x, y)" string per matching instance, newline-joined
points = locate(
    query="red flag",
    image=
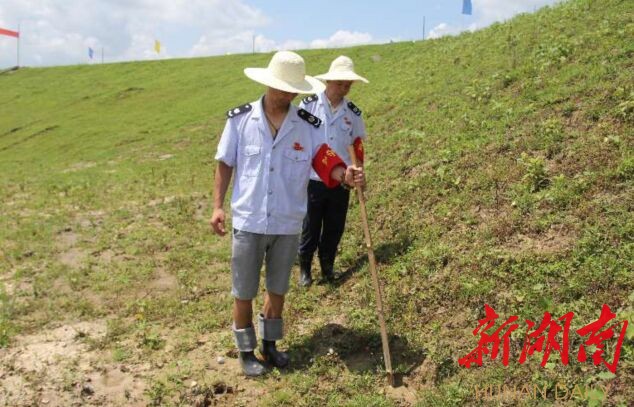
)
(9, 33)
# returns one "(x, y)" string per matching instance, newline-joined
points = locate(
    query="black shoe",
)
(305, 277)
(330, 276)
(327, 270)
(251, 366)
(272, 355)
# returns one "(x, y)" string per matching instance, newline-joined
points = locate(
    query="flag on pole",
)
(9, 33)
(466, 7)
(91, 52)
(157, 46)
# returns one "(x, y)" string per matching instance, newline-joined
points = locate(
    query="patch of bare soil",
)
(106, 256)
(159, 201)
(214, 374)
(67, 238)
(216, 394)
(553, 241)
(58, 368)
(79, 166)
(70, 255)
(116, 384)
(18, 290)
(163, 280)
(91, 219)
(73, 257)
(360, 352)
(202, 209)
(402, 395)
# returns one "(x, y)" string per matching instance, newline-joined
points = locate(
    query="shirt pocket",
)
(345, 129)
(296, 164)
(344, 138)
(252, 160)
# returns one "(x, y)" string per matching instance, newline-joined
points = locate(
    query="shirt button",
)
(331, 138)
(268, 214)
(270, 192)
(271, 169)
(273, 147)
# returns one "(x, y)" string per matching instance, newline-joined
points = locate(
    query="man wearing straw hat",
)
(327, 207)
(270, 146)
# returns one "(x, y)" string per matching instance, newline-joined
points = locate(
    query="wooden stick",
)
(375, 276)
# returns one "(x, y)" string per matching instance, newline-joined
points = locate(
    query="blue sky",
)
(382, 19)
(59, 32)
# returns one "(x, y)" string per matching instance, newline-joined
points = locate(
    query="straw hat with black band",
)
(286, 72)
(341, 69)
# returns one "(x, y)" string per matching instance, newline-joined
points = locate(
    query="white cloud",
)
(342, 38)
(490, 11)
(443, 29)
(244, 42)
(339, 39)
(59, 32)
(292, 45)
(240, 42)
(210, 44)
(486, 12)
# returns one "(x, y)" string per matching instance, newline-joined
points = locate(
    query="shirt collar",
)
(325, 102)
(287, 126)
(257, 113)
(258, 110)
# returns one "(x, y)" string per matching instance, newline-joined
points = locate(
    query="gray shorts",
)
(247, 253)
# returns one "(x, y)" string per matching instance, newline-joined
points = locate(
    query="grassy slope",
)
(501, 172)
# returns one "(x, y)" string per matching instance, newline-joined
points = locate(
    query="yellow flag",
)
(157, 46)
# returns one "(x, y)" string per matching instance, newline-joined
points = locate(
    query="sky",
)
(59, 32)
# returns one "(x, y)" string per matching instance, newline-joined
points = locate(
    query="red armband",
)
(324, 162)
(358, 149)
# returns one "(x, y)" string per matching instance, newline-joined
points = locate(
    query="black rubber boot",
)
(327, 270)
(251, 366)
(305, 277)
(272, 355)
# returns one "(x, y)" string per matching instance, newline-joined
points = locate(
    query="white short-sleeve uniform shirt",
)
(341, 128)
(270, 175)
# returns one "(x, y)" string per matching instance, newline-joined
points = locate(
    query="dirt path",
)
(57, 367)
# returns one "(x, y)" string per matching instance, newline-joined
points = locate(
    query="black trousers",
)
(324, 222)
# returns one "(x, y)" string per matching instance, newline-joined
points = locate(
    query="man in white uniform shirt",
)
(327, 207)
(270, 147)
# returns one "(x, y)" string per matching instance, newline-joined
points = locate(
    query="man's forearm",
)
(221, 184)
(338, 174)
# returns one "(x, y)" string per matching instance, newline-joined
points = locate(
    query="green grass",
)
(500, 167)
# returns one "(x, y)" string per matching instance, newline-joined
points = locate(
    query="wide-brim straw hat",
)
(341, 69)
(286, 72)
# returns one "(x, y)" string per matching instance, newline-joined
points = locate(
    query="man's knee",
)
(273, 305)
(243, 303)
(275, 297)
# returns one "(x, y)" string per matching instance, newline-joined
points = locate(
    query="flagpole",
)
(102, 55)
(423, 28)
(18, 50)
